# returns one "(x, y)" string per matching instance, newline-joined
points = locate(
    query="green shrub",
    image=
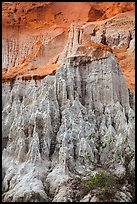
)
(106, 185)
(100, 180)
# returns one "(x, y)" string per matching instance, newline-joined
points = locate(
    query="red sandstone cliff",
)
(35, 34)
(61, 132)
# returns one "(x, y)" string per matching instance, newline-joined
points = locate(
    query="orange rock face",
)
(35, 33)
(27, 71)
(60, 13)
(127, 63)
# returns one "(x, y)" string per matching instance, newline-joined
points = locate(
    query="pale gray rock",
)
(94, 199)
(123, 197)
(72, 123)
(117, 31)
(86, 198)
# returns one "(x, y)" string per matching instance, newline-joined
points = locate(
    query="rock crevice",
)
(78, 120)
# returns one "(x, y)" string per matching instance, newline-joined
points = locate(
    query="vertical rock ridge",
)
(78, 121)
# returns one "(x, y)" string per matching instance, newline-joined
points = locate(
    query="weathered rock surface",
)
(35, 54)
(51, 126)
(78, 121)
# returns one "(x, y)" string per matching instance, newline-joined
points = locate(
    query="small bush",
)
(105, 185)
(100, 180)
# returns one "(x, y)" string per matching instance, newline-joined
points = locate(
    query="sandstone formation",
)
(68, 115)
(26, 53)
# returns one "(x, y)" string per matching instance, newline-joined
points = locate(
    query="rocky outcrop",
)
(27, 54)
(72, 123)
(68, 131)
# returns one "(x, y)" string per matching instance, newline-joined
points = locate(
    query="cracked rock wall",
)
(51, 126)
(76, 122)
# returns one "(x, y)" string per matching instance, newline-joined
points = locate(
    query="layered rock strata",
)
(69, 117)
(50, 126)
(33, 54)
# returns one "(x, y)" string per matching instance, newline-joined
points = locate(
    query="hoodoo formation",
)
(68, 101)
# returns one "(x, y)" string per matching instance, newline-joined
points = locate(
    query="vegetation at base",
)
(105, 185)
(101, 180)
